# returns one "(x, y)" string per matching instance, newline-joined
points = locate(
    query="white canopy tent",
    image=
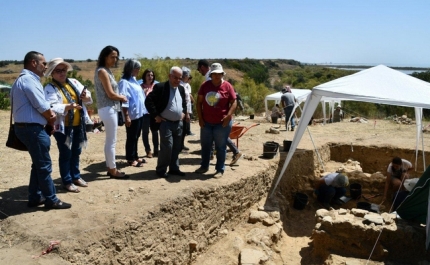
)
(379, 84)
(300, 94)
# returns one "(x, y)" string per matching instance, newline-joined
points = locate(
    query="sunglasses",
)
(59, 71)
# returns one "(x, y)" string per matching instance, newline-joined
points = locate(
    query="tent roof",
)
(300, 94)
(379, 84)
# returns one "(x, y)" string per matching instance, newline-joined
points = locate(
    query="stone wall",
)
(175, 232)
(305, 167)
(376, 158)
(301, 171)
(354, 233)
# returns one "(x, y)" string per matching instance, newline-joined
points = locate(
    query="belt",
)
(22, 124)
(170, 120)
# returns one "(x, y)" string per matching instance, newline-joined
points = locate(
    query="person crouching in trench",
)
(330, 188)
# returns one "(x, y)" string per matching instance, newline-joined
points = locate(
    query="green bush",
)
(252, 94)
(4, 100)
(254, 69)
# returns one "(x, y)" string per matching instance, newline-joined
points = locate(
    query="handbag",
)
(12, 140)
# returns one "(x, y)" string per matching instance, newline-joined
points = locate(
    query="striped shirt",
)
(28, 99)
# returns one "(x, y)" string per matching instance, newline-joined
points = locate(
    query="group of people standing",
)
(164, 108)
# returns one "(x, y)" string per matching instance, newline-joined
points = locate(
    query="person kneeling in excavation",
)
(330, 188)
(397, 172)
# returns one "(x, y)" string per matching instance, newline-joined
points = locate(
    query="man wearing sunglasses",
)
(32, 113)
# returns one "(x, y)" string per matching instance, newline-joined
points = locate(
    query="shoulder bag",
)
(12, 140)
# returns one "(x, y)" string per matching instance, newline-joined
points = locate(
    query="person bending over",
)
(330, 188)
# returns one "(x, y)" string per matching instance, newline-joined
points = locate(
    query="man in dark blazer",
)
(166, 104)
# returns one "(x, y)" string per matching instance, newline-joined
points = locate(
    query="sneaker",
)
(236, 158)
(218, 174)
(58, 205)
(201, 170)
(292, 129)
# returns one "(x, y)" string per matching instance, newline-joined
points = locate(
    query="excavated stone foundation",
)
(362, 234)
(346, 231)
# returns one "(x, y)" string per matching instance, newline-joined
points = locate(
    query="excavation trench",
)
(183, 227)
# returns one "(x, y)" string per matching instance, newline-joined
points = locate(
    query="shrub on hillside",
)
(252, 94)
(4, 100)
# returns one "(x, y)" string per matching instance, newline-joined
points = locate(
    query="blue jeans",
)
(287, 112)
(232, 146)
(185, 131)
(68, 159)
(146, 126)
(38, 144)
(133, 134)
(214, 133)
(327, 193)
(170, 146)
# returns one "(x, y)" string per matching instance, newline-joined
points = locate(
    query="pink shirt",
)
(148, 89)
(216, 102)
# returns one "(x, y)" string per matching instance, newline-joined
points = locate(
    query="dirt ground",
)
(108, 200)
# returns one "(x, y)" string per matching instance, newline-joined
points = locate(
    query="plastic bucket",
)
(274, 119)
(355, 191)
(300, 201)
(270, 149)
(287, 145)
(251, 116)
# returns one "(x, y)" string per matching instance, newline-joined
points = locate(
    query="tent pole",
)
(424, 154)
(310, 106)
(313, 143)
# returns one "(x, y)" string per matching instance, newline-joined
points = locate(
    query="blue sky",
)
(373, 32)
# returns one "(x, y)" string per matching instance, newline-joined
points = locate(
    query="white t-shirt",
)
(187, 88)
(208, 75)
(328, 179)
(404, 167)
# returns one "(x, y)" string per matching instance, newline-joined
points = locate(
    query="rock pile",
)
(358, 119)
(358, 233)
(261, 241)
(403, 120)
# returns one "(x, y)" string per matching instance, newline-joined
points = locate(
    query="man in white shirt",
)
(397, 172)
